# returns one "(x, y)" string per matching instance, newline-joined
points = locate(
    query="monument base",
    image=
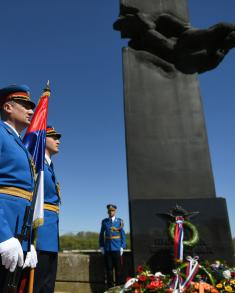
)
(152, 245)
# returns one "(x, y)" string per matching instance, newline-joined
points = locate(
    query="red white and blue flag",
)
(35, 142)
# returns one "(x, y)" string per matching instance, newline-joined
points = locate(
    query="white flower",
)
(227, 274)
(216, 265)
(159, 274)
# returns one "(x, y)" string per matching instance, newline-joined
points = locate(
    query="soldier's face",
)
(111, 213)
(19, 112)
(52, 145)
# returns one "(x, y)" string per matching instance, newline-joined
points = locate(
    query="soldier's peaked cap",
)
(111, 207)
(51, 132)
(16, 93)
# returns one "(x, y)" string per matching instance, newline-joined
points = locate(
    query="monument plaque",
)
(168, 158)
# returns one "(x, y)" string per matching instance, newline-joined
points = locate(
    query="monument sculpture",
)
(167, 37)
(168, 160)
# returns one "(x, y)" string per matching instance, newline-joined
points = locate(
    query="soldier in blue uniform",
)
(16, 176)
(112, 241)
(48, 234)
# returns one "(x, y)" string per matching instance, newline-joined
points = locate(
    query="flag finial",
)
(47, 88)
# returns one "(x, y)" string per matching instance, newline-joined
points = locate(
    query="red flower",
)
(233, 274)
(142, 278)
(136, 285)
(140, 269)
(154, 285)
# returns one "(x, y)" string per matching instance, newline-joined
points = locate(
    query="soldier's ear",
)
(7, 107)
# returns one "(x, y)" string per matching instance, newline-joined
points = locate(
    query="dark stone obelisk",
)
(168, 156)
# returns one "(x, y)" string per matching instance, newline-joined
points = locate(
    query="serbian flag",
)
(35, 142)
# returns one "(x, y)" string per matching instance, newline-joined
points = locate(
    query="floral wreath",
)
(195, 235)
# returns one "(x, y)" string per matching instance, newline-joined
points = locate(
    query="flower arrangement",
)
(213, 278)
(145, 282)
(201, 287)
(224, 277)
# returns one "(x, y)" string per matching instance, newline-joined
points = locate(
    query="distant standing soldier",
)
(16, 176)
(48, 233)
(112, 241)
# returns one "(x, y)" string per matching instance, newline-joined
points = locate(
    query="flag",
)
(35, 142)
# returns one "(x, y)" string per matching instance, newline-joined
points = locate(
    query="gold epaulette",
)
(51, 207)
(16, 191)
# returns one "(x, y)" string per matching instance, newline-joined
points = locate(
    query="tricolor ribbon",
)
(191, 271)
(177, 282)
(179, 238)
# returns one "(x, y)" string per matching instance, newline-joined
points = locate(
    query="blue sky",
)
(72, 43)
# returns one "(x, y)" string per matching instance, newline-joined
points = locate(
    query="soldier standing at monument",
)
(48, 234)
(112, 241)
(16, 176)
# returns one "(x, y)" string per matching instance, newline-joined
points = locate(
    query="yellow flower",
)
(219, 286)
(228, 288)
(232, 282)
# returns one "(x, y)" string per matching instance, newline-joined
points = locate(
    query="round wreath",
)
(195, 236)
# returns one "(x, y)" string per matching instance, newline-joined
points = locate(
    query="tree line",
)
(83, 240)
(87, 240)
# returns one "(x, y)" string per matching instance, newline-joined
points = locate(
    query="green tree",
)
(82, 240)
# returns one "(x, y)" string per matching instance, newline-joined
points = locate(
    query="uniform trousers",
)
(6, 275)
(45, 272)
(113, 260)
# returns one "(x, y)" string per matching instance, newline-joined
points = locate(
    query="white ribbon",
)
(128, 284)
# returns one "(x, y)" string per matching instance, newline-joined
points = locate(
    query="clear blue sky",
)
(72, 44)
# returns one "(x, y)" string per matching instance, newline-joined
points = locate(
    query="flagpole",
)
(34, 237)
(31, 280)
(32, 270)
(46, 91)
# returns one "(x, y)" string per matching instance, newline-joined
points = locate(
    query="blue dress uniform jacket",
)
(48, 233)
(112, 236)
(16, 182)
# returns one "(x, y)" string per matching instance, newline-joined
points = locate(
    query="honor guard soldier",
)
(16, 177)
(48, 233)
(112, 241)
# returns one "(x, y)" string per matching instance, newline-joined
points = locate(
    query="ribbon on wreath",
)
(178, 239)
(191, 271)
(177, 282)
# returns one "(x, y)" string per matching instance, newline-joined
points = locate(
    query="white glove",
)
(11, 254)
(121, 251)
(102, 250)
(31, 259)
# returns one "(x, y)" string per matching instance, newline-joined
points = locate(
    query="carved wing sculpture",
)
(176, 42)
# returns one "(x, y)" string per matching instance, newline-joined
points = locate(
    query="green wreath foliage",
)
(195, 235)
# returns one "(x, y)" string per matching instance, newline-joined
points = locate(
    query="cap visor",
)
(32, 105)
(56, 135)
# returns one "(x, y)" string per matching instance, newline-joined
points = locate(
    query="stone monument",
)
(168, 158)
